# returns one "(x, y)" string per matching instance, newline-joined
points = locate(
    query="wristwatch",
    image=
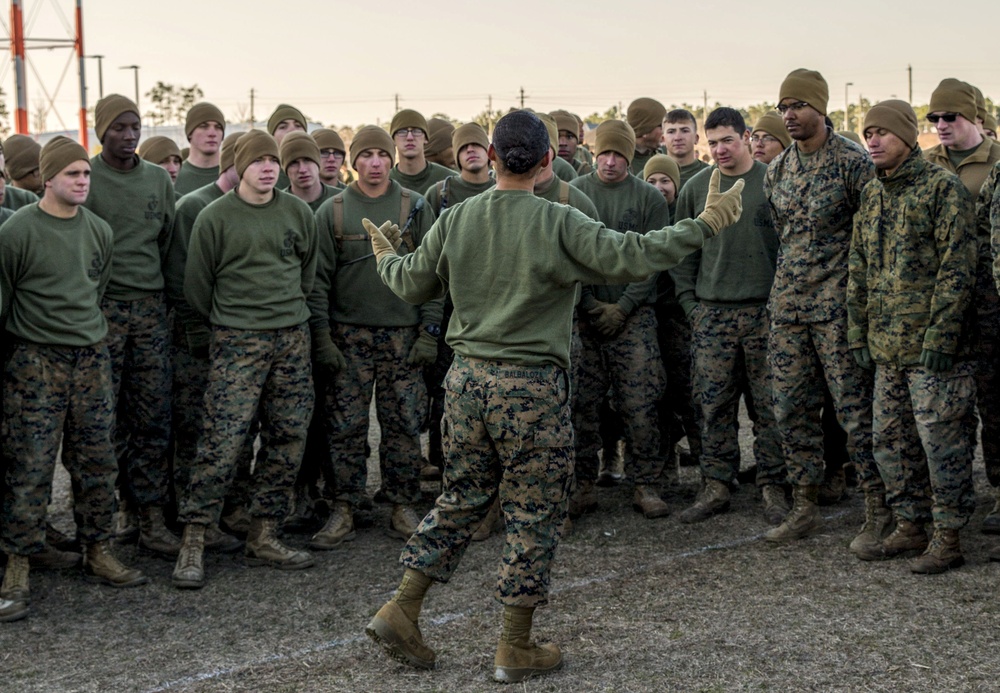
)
(433, 330)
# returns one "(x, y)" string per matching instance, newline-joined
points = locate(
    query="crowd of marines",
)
(201, 336)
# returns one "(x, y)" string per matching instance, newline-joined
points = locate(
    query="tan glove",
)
(722, 210)
(385, 238)
(424, 351)
(609, 318)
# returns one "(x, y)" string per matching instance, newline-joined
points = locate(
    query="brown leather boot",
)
(908, 538)
(15, 579)
(868, 544)
(153, 533)
(942, 554)
(584, 498)
(775, 504)
(404, 521)
(400, 637)
(189, 571)
(713, 499)
(12, 610)
(265, 549)
(802, 520)
(100, 565)
(339, 528)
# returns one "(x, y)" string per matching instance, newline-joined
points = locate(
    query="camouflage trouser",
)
(434, 379)
(190, 375)
(920, 414)
(508, 431)
(269, 372)
(679, 414)
(376, 358)
(139, 343)
(53, 395)
(988, 370)
(720, 336)
(630, 365)
(802, 356)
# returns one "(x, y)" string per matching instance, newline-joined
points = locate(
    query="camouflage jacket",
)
(987, 299)
(988, 217)
(912, 265)
(813, 200)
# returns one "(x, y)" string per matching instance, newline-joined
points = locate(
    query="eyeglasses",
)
(797, 106)
(946, 117)
(763, 139)
(328, 153)
(407, 132)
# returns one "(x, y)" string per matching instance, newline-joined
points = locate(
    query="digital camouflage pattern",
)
(139, 344)
(987, 302)
(719, 337)
(269, 371)
(507, 432)
(376, 360)
(912, 265)
(629, 364)
(678, 414)
(53, 396)
(920, 414)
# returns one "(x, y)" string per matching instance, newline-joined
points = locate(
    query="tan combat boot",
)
(493, 522)
(99, 565)
(189, 571)
(153, 533)
(775, 503)
(339, 528)
(907, 538)
(236, 522)
(802, 520)
(613, 464)
(584, 498)
(713, 499)
(647, 501)
(991, 523)
(265, 549)
(868, 545)
(518, 658)
(126, 523)
(12, 610)
(403, 522)
(834, 489)
(395, 628)
(51, 558)
(15, 579)
(943, 553)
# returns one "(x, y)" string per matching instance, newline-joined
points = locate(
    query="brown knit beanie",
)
(550, 125)
(773, 125)
(616, 136)
(109, 108)
(284, 112)
(227, 156)
(990, 122)
(980, 102)
(645, 115)
(470, 133)
(408, 118)
(566, 121)
(157, 149)
(203, 112)
(954, 96)
(252, 146)
(22, 155)
(298, 145)
(57, 154)
(806, 85)
(438, 136)
(185, 153)
(661, 163)
(897, 117)
(328, 139)
(373, 137)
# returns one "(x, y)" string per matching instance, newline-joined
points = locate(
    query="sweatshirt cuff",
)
(627, 304)
(857, 338)
(935, 341)
(706, 230)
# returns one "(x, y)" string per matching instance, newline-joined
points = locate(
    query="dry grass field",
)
(637, 605)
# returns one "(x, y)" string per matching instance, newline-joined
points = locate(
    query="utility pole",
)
(909, 73)
(135, 72)
(847, 107)
(522, 97)
(489, 114)
(704, 109)
(397, 103)
(100, 73)
(252, 118)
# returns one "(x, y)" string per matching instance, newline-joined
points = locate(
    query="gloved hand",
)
(424, 351)
(935, 361)
(609, 318)
(385, 238)
(198, 338)
(864, 357)
(722, 209)
(326, 355)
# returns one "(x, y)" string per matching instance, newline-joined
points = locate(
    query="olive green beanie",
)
(372, 137)
(954, 96)
(254, 145)
(284, 112)
(645, 115)
(156, 149)
(328, 139)
(109, 108)
(980, 102)
(661, 163)
(298, 145)
(566, 121)
(470, 133)
(57, 154)
(22, 154)
(897, 117)
(806, 85)
(407, 118)
(616, 136)
(203, 112)
(772, 123)
(438, 137)
(550, 125)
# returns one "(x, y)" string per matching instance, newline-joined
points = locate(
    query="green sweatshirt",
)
(15, 198)
(690, 171)
(139, 206)
(512, 260)
(348, 289)
(328, 192)
(188, 209)
(419, 182)
(563, 169)
(629, 205)
(192, 177)
(639, 160)
(5, 214)
(455, 190)
(53, 272)
(250, 267)
(736, 268)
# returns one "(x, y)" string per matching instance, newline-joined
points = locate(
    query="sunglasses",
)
(947, 117)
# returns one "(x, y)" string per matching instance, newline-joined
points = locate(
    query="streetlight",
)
(135, 71)
(847, 107)
(100, 73)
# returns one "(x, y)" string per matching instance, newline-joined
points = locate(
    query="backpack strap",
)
(563, 192)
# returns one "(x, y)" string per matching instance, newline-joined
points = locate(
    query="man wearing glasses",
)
(814, 189)
(769, 137)
(331, 153)
(412, 170)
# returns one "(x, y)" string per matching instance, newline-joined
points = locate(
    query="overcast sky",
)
(342, 63)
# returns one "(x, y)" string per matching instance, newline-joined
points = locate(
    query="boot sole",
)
(187, 584)
(651, 515)
(255, 562)
(14, 613)
(98, 580)
(329, 546)
(702, 516)
(516, 675)
(391, 645)
(795, 537)
(957, 563)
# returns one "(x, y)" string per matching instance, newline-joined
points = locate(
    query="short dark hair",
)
(680, 115)
(520, 140)
(725, 116)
